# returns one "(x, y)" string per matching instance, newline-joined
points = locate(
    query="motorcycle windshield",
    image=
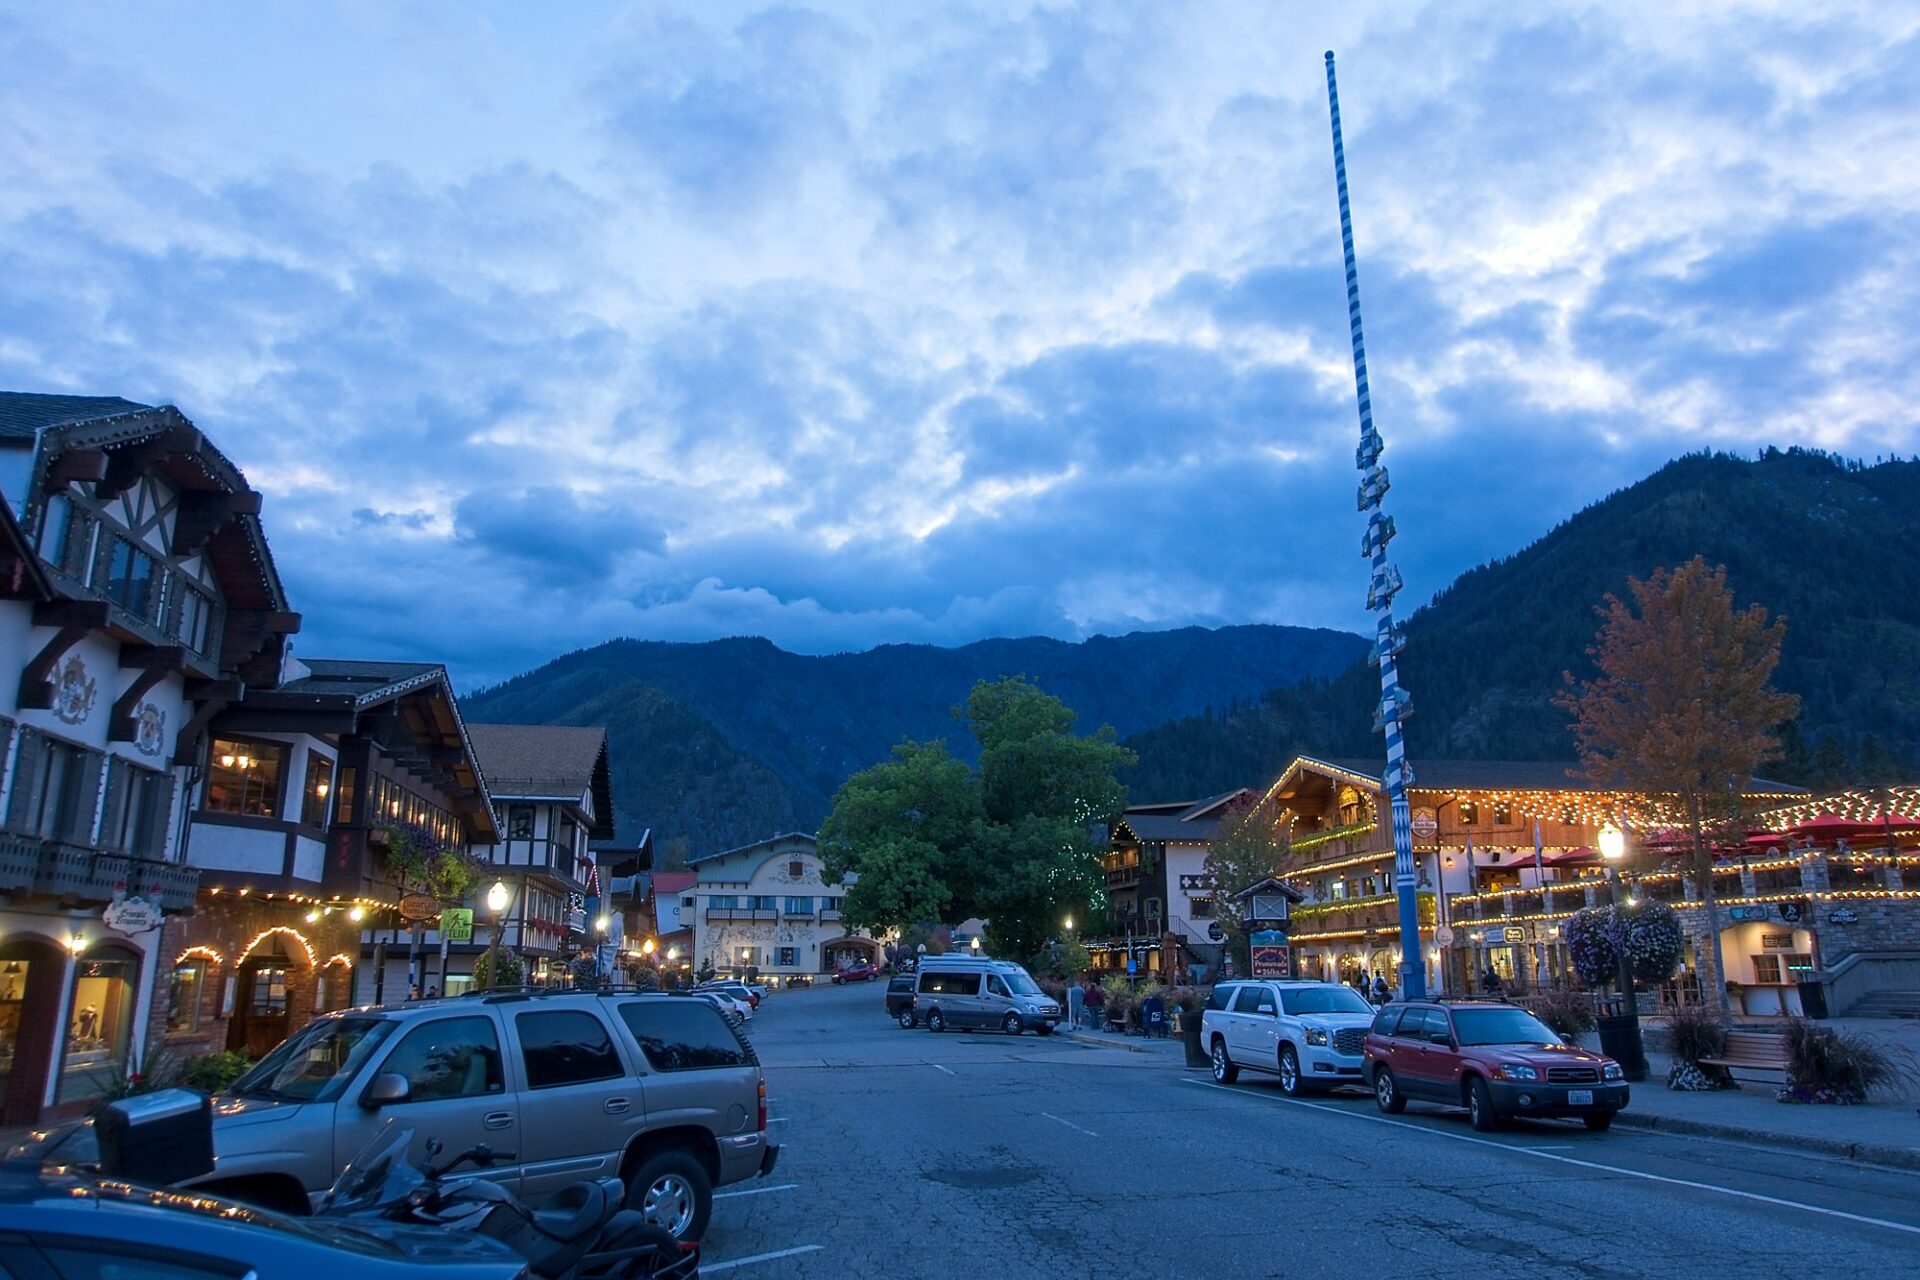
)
(377, 1176)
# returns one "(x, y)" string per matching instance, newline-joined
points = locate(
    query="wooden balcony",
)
(56, 869)
(741, 913)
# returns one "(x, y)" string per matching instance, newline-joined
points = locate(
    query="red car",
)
(856, 973)
(1493, 1058)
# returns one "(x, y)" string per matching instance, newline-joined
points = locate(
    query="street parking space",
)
(912, 1154)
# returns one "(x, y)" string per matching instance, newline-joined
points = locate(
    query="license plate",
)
(1579, 1097)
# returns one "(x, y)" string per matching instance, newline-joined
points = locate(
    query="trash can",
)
(1620, 1040)
(1813, 999)
(1190, 1033)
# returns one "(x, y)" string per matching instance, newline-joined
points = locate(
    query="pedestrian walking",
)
(1380, 992)
(1096, 1003)
(1490, 982)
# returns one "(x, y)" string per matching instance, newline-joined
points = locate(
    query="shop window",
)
(319, 786)
(13, 995)
(268, 998)
(1799, 967)
(184, 990)
(519, 822)
(787, 957)
(244, 777)
(1469, 813)
(100, 1016)
(1502, 815)
(1766, 970)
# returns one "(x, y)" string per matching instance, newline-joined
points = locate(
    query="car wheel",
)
(1223, 1069)
(1480, 1107)
(1011, 1024)
(1290, 1082)
(1386, 1092)
(671, 1190)
(935, 1022)
(1043, 1030)
(1599, 1121)
(907, 1021)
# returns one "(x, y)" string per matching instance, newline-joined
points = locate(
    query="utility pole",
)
(1383, 585)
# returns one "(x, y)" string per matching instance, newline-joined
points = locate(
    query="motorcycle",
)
(584, 1233)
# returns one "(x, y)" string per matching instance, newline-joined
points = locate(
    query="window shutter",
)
(86, 811)
(6, 747)
(113, 812)
(160, 805)
(30, 776)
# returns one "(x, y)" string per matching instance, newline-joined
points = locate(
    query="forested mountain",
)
(717, 744)
(1833, 545)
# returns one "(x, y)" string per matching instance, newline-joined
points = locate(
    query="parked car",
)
(970, 991)
(856, 973)
(655, 1089)
(900, 1000)
(734, 1004)
(1493, 1058)
(738, 990)
(59, 1225)
(1309, 1034)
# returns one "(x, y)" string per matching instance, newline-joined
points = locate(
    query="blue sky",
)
(540, 325)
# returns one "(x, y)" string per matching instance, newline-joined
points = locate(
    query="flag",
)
(1473, 879)
(1539, 876)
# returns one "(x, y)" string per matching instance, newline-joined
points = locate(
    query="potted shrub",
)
(1567, 1011)
(1825, 1065)
(1698, 1032)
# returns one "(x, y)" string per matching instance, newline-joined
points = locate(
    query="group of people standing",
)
(1376, 991)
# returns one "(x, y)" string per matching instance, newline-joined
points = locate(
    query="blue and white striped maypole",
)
(1382, 587)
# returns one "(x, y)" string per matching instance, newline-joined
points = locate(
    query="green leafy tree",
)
(1250, 845)
(1684, 711)
(931, 839)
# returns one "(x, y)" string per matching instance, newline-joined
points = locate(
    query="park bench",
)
(1753, 1051)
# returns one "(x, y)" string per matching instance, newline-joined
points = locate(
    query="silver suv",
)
(656, 1089)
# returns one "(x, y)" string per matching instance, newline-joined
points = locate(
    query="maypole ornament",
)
(1383, 584)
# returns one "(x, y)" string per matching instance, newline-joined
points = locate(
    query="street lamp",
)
(603, 923)
(1620, 1036)
(647, 948)
(976, 944)
(498, 896)
(1069, 923)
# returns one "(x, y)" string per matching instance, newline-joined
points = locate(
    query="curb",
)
(1086, 1038)
(1865, 1152)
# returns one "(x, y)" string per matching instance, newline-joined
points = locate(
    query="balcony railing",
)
(829, 915)
(741, 913)
(1124, 878)
(797, 913)
(29, 864)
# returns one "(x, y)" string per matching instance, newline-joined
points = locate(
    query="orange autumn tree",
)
(1684, 711)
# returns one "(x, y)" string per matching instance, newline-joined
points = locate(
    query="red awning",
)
(1826, 828)
(1566, 856)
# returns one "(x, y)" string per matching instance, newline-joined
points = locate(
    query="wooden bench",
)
(1754, 1051)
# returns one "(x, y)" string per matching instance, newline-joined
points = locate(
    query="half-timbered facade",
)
(768, 909)
(143, 599)
(1160, 900)
(307, 787)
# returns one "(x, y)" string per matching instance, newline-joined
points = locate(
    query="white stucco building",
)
(767, 906)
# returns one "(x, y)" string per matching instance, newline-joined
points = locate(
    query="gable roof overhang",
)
(21, 577)
(756, 846)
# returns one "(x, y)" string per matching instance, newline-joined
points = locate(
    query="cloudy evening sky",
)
(540, 325)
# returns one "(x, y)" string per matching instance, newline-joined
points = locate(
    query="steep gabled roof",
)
(24, 414)
(367, 683)
(547, 762)
(768, 843)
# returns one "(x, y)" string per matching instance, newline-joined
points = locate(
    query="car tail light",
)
(763, 1106)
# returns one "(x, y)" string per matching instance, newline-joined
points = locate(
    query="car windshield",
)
(1020, 984)
(1328, 999)
(315, 1065)
(1501, 1026)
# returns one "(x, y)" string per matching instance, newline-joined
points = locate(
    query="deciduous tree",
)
(1249, 845)
(1684, 711)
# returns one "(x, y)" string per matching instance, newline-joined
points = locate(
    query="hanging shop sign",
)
(1443, 936)
(1792, 911)
(1845, 915)
(132, 915)
(1425, 824)
(416, 907)
(1215, 933)
(1514, 933)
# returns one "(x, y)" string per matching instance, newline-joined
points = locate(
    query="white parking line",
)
(776, 1119)
(709, 1268)
(1584, 1164)
(754, 1191)
(937, 1067)
(1070, 1124)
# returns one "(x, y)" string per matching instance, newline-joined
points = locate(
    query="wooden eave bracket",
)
(76, 465)
(204, 514)
(75, 620)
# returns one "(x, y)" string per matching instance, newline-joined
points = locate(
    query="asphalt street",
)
(909, 1154)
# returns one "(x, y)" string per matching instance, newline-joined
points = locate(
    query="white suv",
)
(1310, 1034)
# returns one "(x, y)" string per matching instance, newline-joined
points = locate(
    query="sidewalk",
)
(1880, 1132)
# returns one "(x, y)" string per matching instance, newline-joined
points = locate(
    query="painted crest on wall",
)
(74, 691)
(149, 729)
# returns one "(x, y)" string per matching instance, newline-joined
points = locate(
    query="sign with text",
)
(456, 924)
(1272, 962)
(1425, 824)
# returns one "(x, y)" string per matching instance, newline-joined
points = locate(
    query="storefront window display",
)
(184, 992)
(99, 1018)
(13, 997)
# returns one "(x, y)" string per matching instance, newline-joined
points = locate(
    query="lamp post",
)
(498, 897)
(1620, 1035)
(976, 944)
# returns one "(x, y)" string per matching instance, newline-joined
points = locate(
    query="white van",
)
(969, 991)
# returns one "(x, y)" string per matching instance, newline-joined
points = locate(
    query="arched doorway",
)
(841, 952)
(263, 997)
(106, 989)
(31, 972)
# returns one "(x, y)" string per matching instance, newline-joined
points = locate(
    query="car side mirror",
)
(1441, 1038)
(387, 1088)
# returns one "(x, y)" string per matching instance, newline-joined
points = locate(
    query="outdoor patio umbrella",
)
(1826, 828)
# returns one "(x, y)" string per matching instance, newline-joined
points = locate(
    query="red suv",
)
(1495, 1059)
(856, 973)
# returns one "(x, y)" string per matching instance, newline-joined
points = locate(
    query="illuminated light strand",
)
(293, 933)
(339, 957)
(199, 953)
